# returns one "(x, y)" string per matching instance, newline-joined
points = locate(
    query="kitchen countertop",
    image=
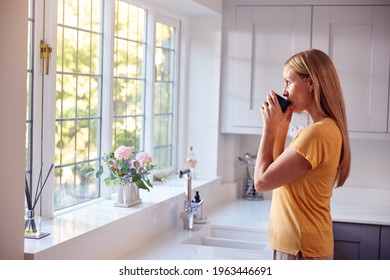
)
(352, 205)
(238, 213)
(160, 233)
(361, 205)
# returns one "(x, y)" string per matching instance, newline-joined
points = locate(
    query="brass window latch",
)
(45, 52)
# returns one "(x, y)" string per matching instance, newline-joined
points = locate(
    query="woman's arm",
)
(280, 140)
(289, 166)
(274, 165)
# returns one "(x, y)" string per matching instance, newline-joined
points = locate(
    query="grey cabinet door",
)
(356, 241)
(385, 243)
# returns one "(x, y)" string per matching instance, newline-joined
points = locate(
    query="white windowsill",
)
(87, 232)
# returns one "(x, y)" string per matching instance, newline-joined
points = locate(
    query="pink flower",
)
(114, 166)
(123, 153)
(144, 159)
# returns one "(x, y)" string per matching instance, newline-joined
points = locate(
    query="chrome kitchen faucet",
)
(190, 208)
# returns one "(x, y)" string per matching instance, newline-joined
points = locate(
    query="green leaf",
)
(149, 183)
(136, 177)
(140, 184)
(123, 167)
(109, 181)
(86, 170)
(99, 172)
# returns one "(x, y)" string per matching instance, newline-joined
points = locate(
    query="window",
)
(129, 76)
(137, 104)
(164, 93)
(78, 113)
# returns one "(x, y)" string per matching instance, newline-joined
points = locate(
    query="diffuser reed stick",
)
(29, 224)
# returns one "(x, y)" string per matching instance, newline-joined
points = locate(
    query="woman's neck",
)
(316, 115)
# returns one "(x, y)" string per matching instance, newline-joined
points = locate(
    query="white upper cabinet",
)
(259, 42)
(358, 41)
(258, 39)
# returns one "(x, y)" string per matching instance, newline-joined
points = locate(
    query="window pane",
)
(82, 137)
(163, 129)
(84, 55)
(93, 140)
(70, 12)
(86, 187)
(67, 141)
(69, 50)
(60, 51)
(163, 101)
(129, 76)
(164, 95)
(85, 20)
(78, 101)
(73, 185)
(83, 94)
(136, 22)
(94, 96)
(165, 36)
(95, 54)
(68, 95)
(129, 131)
(96, 13)
(164, 64)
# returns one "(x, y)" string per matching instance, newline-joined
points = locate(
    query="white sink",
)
(230, 237)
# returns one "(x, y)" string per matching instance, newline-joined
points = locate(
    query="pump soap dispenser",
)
(197, 206)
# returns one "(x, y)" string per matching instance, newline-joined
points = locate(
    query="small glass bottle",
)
(191, 160)
(32, 224)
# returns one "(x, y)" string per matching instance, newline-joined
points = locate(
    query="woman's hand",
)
(273, 117)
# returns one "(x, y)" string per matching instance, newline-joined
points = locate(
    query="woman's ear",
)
(310, 84)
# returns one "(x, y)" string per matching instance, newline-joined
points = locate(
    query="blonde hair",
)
(328, 98)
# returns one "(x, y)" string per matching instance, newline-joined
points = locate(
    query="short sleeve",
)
(313, 144)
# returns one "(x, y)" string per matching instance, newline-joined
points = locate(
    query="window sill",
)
(102, 231)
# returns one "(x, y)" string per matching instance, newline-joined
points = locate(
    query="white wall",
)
(370, 166)
(203, 91)
(13, 73)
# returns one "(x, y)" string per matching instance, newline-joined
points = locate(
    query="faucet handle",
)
(185, 171)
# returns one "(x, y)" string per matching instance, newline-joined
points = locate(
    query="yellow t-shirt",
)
(300, 217)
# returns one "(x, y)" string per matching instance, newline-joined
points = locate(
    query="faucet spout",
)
(188, 214)
(189, 184)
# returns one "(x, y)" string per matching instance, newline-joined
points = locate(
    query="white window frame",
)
(46, 155)
(44, 127)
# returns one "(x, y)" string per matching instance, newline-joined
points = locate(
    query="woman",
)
(318, 159)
